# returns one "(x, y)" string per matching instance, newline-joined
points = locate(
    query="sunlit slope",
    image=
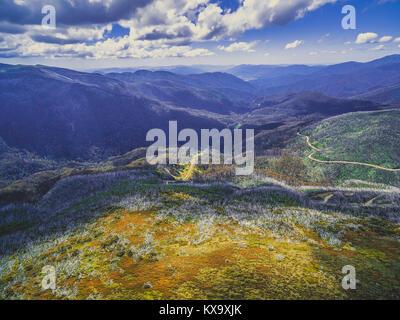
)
(371, 137)
(129, 235)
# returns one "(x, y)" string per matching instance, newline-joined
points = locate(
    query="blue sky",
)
(126, 33)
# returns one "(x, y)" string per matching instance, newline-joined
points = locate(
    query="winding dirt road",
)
(311, 157)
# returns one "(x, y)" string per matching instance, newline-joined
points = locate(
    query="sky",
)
(94, 34)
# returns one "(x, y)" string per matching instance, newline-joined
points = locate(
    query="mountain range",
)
(64, 114)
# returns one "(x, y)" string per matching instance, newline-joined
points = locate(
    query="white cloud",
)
(208, 21)
(294, 44)
(198, 53)
(313, 53)
(116, 48)
(267, 54)
(213, 23)
(385, 39)
(377, 48)
(239, 46)
(158, 28)
(368, 37)
(397, 39)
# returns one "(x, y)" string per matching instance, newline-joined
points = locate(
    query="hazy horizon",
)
(216, 66)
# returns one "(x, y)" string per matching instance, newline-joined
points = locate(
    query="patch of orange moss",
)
(207, 270)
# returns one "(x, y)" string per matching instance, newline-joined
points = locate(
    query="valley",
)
(77, 193)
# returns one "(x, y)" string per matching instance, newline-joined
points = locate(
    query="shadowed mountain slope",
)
(386, 95)
(61, 113)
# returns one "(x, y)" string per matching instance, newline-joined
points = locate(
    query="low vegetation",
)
(132, 235)
(366, 137)
(121, 229)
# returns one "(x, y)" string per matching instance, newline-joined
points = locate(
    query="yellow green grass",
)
(115, 257)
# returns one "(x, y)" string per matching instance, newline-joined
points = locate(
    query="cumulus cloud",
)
(198, 52)
(158, 28)
(294, 44)
(214, 23)
(239, 46)
(68, 35)
(385, 39)
(368, 37)
(396, 40)
(71, 12)
(116, 48)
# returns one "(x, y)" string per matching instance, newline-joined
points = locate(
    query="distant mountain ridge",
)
(254, 72)
(341, 80)
(66, 114)
(181, 70)
(62, 113)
